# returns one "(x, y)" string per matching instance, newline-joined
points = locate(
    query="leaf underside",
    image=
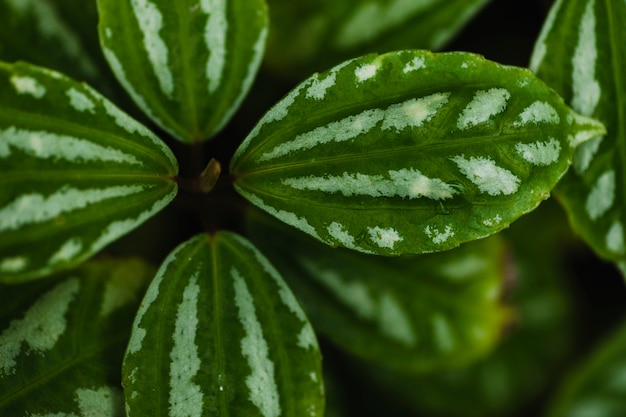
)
(77, 173)
(219, 333)
(409, 152)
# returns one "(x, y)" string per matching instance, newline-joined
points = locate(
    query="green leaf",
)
(57, 34)
(598, 387)
(314, 35)
(219, 333)
(531, 357)
(77, 173)
(416, 314)
(187, 66)
(409, 152)
(62, 341)
(582, 54)
(38, 32)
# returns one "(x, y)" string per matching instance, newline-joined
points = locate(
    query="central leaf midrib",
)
(501, 201)
(80, 131)
(87, 217)
(217, 324)
(83, 176)
(188, 70)
(378, 153)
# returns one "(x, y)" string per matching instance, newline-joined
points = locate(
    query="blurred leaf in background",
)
(420, 313)
(532, 355)
(310, 36)
(598, 386)
(62, 340)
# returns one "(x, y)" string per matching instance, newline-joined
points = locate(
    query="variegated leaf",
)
(534, 351)
(77, 173)
(409, 152)
(219, 333)
(581, 52)
(37, 31)
(187, 64)
(598, 387)
(309, 36)
(62, 341)
(415, 314)
(60, 35)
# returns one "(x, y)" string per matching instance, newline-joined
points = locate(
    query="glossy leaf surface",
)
(314, 35)
(62, 340)
(77, 173)
(187, 65)
(598, 388)
(582, 54)
(409, 152)
(419, 313)
(219, 333)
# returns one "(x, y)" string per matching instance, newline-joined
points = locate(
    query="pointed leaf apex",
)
(589, 128)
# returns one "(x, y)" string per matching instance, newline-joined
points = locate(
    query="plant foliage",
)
(409, 152)
(359, 185)
(581, 54)
(63, 339)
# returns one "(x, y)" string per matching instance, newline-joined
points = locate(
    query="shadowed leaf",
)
(62, 340)
(314, 35)
(533, 353)
(598, 387)
(416, 314)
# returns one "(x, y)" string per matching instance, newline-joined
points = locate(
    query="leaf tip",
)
(588, 128)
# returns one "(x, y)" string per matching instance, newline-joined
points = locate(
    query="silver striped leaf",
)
(409, 152)
(220, 333)
(52, 39)
(187, 65)
(77, 173)
(62, 341)
(315, 35)
(535, 350)
(598, 386)
(581, 52)
(422, 314)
